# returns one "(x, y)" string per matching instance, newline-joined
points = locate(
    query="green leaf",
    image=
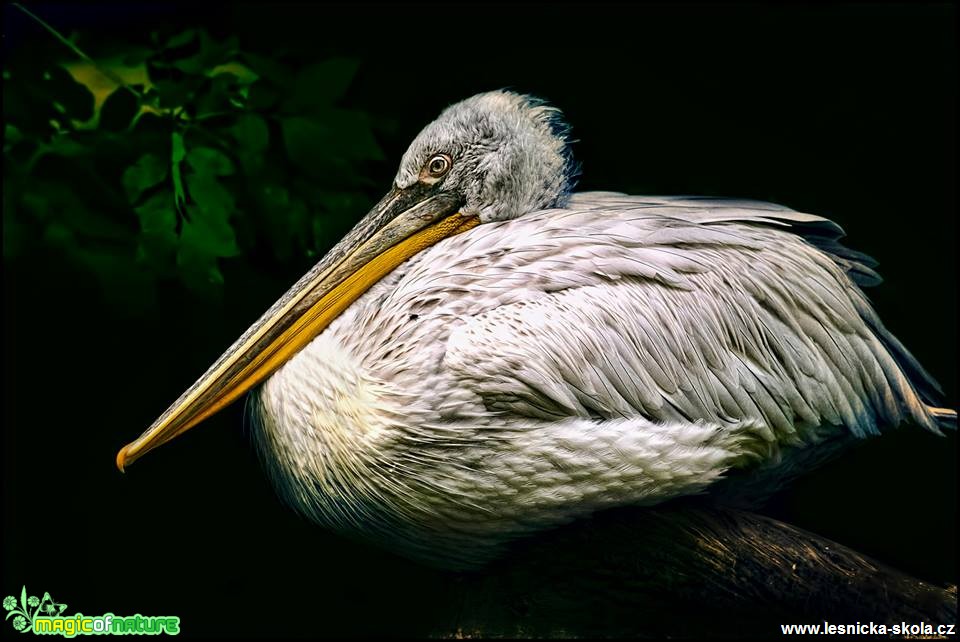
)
(37, 201)
(60, 145)
(193, 65)
(219, 96)
(11, 136)
(177, 154)
(207, 160)
(158, 219)
(305, 142)
(208, 231)
(65, 145)
(208, 54)
(251, 132)
(59, 235)
(158, 235)
(179, 150)
(148, 171)
(210, 198)
(209, 238)
(322, 84)
(23, 598)
(267, 68)
(252, 136)
(202, 242)
(181, 39)
(330, 140)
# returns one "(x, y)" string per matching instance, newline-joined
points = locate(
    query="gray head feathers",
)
(510, 155)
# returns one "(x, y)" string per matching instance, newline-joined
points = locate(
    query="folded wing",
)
(684, 309)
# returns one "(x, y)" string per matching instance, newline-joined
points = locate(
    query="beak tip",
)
(122, 459)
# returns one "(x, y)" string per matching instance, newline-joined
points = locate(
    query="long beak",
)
(402, 224)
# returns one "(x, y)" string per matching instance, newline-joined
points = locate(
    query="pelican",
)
(488, 354)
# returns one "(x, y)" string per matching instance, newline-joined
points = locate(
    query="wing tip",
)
(945, 418)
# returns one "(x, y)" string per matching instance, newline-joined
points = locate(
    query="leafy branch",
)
(185, 152)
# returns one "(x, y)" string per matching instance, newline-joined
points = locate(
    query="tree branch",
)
(683, 571)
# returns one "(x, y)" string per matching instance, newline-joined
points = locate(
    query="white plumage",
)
(616, 350)
(484, 355)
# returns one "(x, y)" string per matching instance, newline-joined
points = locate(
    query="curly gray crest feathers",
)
(510, 154)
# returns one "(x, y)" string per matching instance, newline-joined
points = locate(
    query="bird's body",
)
(484, 355)
(620, 350)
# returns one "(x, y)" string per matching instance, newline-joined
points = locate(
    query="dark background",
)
(845, 111)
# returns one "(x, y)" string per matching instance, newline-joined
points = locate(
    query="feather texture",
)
(617, 350)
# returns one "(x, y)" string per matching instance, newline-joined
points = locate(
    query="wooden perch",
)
(684, 571)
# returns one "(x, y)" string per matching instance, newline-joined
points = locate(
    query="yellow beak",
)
(404, 223)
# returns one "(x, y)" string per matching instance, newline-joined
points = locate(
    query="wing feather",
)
(678, 309)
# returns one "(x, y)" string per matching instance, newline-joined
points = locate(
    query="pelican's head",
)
(501, 153)
(491, 157)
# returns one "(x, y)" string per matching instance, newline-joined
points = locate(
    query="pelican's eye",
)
(437, 166)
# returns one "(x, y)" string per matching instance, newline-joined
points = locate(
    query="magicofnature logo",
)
(44, 616)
